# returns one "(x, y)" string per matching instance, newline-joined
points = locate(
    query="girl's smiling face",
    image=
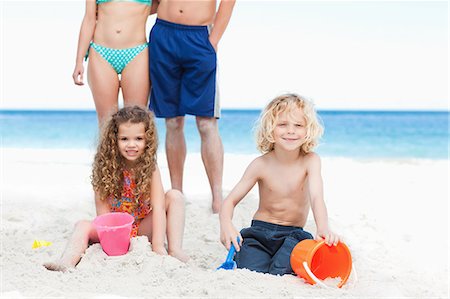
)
(290, 130)
(131, 141)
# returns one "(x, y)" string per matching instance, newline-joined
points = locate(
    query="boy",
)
(289, 180)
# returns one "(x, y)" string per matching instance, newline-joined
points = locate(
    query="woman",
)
(113, 35)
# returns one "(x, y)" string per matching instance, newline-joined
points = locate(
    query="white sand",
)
(393, 215)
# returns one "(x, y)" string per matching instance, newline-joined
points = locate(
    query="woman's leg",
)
(104, 83)
(84, 232)
(135, 81)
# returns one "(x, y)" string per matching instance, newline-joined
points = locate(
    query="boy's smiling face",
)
(290, 129)
(131, 141)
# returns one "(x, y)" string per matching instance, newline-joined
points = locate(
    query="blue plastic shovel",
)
(229, 264)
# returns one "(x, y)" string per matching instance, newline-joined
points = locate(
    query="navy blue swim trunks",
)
(267, 247)
(183, 66)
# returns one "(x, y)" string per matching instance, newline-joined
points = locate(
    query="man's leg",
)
(212, 156)
(175, 150)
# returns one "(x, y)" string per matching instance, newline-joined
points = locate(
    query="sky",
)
(344, 55)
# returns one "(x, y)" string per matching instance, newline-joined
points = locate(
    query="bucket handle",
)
(355, 277)
(319, 282)
(316, 280)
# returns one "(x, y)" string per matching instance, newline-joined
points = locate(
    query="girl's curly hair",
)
(269, 116)
(107, 172)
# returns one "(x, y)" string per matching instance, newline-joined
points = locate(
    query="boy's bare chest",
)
(284, 182)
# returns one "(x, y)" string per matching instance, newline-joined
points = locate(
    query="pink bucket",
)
(114, 230)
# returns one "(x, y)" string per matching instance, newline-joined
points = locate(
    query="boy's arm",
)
(317, 202)
(228, 233)
(221, 20)
(159, 213)
(101, 205)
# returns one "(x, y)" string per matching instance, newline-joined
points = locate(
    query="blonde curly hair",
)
(107, 172)
(269, 116)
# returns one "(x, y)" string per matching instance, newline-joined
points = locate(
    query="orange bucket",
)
(321, 261)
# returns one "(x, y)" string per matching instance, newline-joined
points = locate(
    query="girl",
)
(126, 178)
(112, 34)
(290, 183)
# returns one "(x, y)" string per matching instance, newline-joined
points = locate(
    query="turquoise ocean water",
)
(359, 134)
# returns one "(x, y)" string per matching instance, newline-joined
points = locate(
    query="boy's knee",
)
(281, 261)
(281, 270)
(248, 259)
(252, 257)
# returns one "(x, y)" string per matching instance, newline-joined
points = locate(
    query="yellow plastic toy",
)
(40, 243)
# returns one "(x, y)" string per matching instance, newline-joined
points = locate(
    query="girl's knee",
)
(174, 196)
(83, 225)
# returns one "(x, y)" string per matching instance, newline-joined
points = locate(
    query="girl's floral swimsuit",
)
(139, 210)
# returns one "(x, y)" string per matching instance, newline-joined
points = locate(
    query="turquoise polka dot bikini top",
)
(146, 2)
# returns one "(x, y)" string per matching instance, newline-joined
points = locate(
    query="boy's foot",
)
(57, 266)
(180, 255)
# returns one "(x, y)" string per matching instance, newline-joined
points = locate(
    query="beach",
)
(392, 214)
(377, 72)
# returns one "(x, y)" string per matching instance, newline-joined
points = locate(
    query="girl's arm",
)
(317, 203)
(101, 206)
(159, 213)
(86, 35)
(228, 233)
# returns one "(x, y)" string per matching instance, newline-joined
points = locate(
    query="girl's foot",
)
(57, 266)
(180, 255)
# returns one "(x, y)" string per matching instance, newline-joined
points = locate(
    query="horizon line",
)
(234, 109)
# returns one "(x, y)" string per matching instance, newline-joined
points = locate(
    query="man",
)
(183, 69)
